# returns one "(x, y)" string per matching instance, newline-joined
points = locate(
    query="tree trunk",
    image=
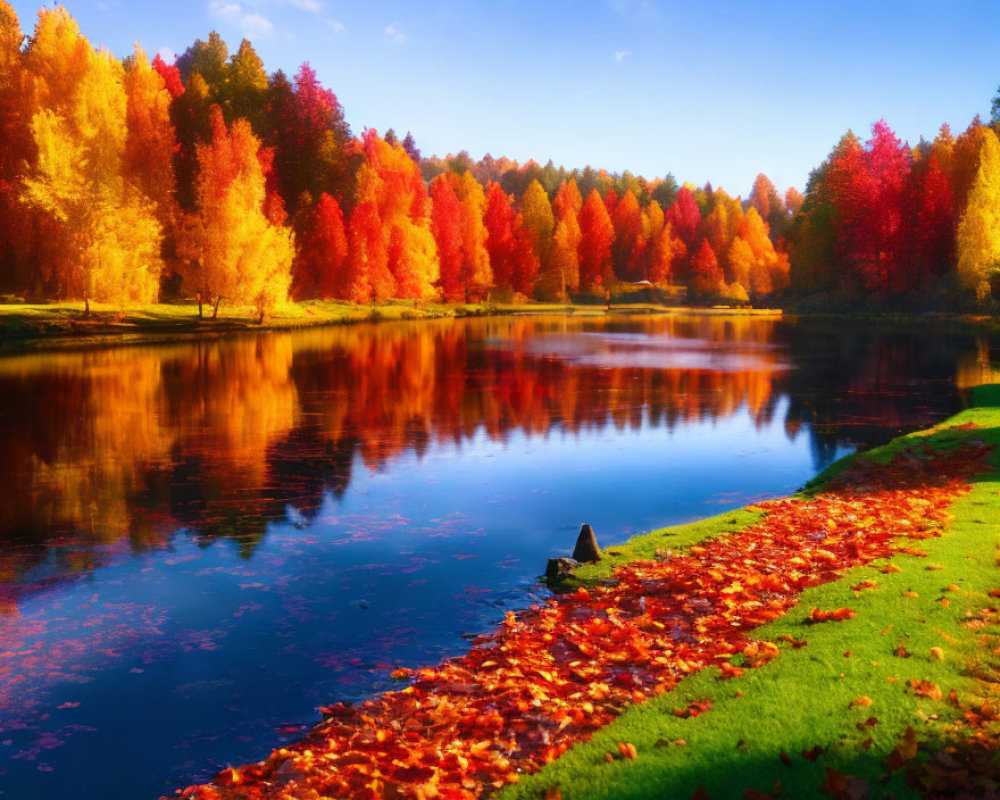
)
(198, 295)
(86, 308)
(215, 312)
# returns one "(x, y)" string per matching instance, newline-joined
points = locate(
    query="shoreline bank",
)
(26, 327)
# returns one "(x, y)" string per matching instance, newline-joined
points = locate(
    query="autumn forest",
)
(134, 181)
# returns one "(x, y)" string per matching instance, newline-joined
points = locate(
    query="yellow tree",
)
(111, 236)
(538, 219)
(232, 251)
(979, 231)
(754, 263)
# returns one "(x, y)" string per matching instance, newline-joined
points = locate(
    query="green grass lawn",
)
(817, 695)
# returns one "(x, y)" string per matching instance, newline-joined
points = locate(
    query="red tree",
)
(684, 218)
(596, 237)
(171, 76)
(930, 230)
(446, 223)
(367, 276)
(524, 259)
(867, 185)
(318, 270)
(705, 270)
(500, 243)
(629, 247)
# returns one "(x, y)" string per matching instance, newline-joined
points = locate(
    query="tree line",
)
(131, 181)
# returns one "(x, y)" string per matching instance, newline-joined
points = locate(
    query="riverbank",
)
(62, 325)
(899, 698)
(840, 638)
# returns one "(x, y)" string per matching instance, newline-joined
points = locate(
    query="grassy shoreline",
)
(27, 326)
(847, 692)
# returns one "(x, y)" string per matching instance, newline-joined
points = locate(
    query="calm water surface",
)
(201, 543)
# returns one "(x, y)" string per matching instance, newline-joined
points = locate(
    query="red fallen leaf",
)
(553, 793)
(926, 689)
(871, 722)
(813, 754)
(785, 758)
(729, 671)
(864, 701)
(693, 709)
(795, 643)
(837, 615)
(700, 794)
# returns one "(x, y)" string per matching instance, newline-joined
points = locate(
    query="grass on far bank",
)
(58, 324)
(761, 725)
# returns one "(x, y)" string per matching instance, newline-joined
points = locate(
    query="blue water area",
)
(202, 543)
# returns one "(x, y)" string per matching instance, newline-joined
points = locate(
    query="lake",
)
(202, 542)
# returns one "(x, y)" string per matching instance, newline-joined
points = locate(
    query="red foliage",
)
(630, 246)
(367, 276)
(685, 217)
(554, 674)
(171, 76)
(868, 189)
(318, 270)
(446, 222)
(525, 261)
(596, 236)
(930, 229)
(499, 220)
(705, 269)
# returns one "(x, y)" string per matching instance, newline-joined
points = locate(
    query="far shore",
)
(35, 326)
(59, 326)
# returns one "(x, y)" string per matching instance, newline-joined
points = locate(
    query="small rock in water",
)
(560, 568)
(364, 605)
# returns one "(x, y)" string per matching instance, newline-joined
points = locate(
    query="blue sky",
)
(708, 91)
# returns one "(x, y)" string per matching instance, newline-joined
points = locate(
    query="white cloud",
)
(621, 55)
(396, 36)
(336, 26)
(168, 55)
(249, 22)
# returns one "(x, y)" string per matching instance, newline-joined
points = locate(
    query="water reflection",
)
(416, 445)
